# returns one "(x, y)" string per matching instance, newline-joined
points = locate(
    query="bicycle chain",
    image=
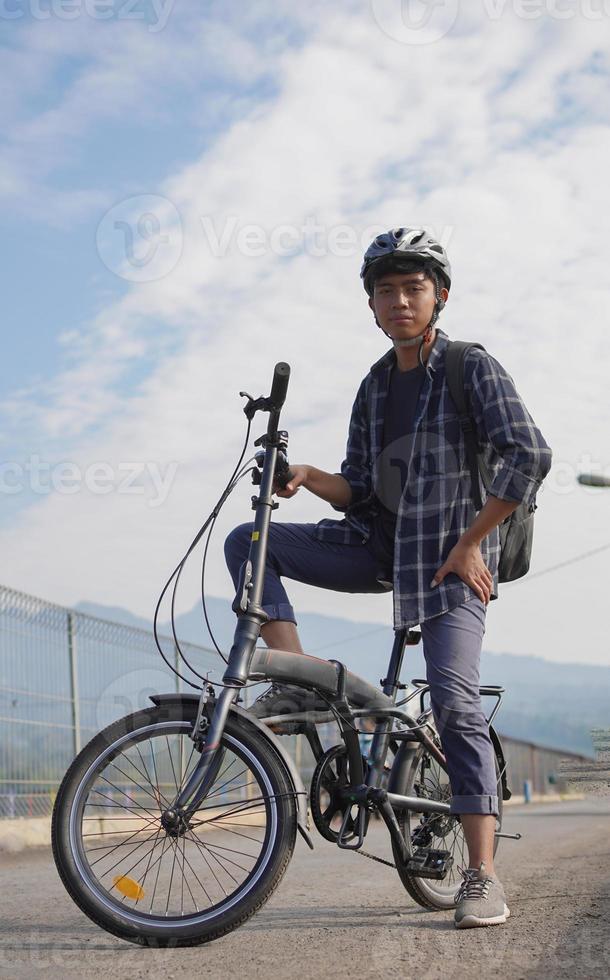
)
(373, 857)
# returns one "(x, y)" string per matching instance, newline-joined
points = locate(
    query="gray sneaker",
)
(480, 900)
(285, 699)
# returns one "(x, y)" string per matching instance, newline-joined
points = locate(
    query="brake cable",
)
(237, 475)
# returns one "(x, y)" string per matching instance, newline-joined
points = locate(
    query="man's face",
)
(404, 303)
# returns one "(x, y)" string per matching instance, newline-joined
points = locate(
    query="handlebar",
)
(274, 403)
(281, 376)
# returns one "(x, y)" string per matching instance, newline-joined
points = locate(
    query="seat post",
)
(391, 680)
(381, 737)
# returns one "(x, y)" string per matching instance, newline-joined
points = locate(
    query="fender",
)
(401, 764)
(192, 701)
(495, 739)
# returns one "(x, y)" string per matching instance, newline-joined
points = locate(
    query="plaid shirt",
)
(436, 504)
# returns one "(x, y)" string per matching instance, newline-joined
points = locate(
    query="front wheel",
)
(187, 885)
(424, 777)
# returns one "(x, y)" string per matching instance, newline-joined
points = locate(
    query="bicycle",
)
(175, 824)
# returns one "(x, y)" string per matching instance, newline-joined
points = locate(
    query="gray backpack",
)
(517, 530)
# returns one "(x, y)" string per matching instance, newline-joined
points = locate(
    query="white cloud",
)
(363, 131)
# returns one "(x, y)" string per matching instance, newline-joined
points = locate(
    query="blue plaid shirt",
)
(436, 504)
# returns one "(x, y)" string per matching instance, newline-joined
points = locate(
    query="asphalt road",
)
(337, 915)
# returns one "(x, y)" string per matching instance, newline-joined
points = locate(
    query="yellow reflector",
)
(128, 887)
(255, 535)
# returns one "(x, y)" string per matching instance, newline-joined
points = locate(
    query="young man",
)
(410, 525)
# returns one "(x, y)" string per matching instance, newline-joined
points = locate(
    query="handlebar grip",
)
(281, 376)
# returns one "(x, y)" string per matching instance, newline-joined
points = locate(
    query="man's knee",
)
(237, 544)
(456, 709)
(458, 716)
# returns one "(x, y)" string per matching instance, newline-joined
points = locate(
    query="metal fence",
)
(65, 675)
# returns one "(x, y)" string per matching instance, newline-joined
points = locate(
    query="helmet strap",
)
(421, 339)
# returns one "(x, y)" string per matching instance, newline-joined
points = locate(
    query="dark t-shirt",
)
(392, 463)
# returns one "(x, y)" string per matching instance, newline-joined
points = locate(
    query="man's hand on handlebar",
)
(298, 477)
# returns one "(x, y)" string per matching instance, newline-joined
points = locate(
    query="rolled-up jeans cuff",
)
(280, 610)
(474, 804)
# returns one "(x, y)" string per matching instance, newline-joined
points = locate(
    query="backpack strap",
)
(454, 370)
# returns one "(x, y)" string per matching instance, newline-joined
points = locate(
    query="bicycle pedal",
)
(426, 863)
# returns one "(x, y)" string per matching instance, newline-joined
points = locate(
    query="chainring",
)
(330, 777)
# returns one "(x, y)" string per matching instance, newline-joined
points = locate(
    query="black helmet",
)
(404, 243)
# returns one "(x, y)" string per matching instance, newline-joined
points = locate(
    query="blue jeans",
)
(451, 642)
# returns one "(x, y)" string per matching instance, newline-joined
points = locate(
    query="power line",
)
(543, 571)
(348, 639)
(563, 564)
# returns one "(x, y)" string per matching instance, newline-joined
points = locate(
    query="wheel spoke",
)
(171, 762)
(238, 834)
(118, 788)
(199, 845)
(186, 768)
(232, 850)
(146, 773)
(123, 857)
(202, 886)
(221, 789)
(114, 806)
(104, 847)
(171, 878)
(131, 779)
(158, 863)
(185, 880)
(217, 857)
(144, 876)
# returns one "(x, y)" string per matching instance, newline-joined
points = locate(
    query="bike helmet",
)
(405, 249)
(404, 243)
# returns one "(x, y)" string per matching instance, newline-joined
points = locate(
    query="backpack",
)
(516, 530)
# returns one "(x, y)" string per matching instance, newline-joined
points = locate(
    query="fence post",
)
(74, 684)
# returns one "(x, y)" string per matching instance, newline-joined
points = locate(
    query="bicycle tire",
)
(430, 893)
(110, 911)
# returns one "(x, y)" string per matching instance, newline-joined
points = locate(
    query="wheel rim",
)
(145, 874)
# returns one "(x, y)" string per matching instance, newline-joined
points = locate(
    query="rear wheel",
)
(444, 832)
(151, 881)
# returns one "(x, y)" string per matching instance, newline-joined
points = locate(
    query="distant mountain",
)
(547, 703)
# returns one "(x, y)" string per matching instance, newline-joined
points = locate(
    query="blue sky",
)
(54, 278)
(263, 116)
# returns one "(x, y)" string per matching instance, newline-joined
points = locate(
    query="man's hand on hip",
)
(466, 561)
